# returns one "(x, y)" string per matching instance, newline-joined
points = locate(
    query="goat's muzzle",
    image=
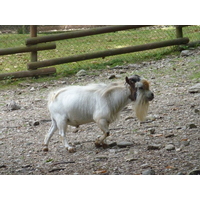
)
(150, 96)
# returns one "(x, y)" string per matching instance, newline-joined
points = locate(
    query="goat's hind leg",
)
(62, 126)
(48, 136)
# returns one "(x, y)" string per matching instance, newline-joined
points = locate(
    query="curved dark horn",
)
(134, 78)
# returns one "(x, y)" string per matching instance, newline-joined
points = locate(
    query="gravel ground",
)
(167, 143)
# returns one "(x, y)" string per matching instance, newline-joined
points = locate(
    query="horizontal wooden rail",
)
(62, 36)
(111, 52)
(182, 26)
(190, 44)
(22, 74)
(38, 47)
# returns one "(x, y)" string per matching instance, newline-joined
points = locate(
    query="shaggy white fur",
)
(100, 103)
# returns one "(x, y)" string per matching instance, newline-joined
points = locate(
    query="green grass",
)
(195, 75)
(18, 62)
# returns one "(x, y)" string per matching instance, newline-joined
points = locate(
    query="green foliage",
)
(196, 76)
(24, 29)
(18, 62)
(49, 160)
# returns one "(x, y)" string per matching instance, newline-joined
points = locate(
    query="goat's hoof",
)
(97, 145)
(105, 146)
(45, 148)
(71, 149)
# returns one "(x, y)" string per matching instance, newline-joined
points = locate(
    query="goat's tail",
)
(51, 97)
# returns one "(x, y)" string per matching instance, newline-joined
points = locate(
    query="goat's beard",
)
(141, 108)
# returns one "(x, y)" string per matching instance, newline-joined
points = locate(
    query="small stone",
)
(180, 148)
(112, 144)
(195, 88)
(130, 158)
(13, 106)
(148, 172)
(133, 151)
(153, 147)
(169, 147)
(82, 72)
(112, 76)
(178, 127)
(153, 117)
(145, 165)
(62, 82)
(122, 71)
(169, 135)
(36, 123)
(101, 157)
(130, 117)
(3, 166)
(117, 76)
(197, 111)
(136, 66)
(112, 151)
(194, 172)
(32, 89)
(190, 126)
(152, 130)
(157, 135)
(18, 170)
(56, 169)
(180, 173)
(125, 67)
(124, 144)
(185, 142)
(185, 53)
(118, 67)
(26, 166)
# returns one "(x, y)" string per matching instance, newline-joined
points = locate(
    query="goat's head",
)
(141, 94)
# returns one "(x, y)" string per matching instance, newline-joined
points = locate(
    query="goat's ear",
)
(127, 80)
(130, 82)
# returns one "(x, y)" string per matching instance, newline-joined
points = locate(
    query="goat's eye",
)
(141, 88)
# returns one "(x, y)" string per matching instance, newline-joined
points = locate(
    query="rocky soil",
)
(167, 143)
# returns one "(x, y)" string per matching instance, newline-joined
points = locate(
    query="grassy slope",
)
(17, 62)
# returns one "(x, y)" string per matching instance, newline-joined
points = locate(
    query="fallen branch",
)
(10, 126)
(117, 128)
(63, 162)
(56, 169)
(45, 120)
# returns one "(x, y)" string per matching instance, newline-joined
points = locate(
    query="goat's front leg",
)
(103, 125)
(49, 135)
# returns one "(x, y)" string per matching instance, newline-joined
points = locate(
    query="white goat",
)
(100, 103)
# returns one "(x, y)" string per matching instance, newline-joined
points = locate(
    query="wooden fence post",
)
(33, 33)
(179, 31)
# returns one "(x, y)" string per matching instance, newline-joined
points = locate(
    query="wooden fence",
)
(35, 44)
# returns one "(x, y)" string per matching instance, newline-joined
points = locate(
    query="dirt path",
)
(173, 123)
